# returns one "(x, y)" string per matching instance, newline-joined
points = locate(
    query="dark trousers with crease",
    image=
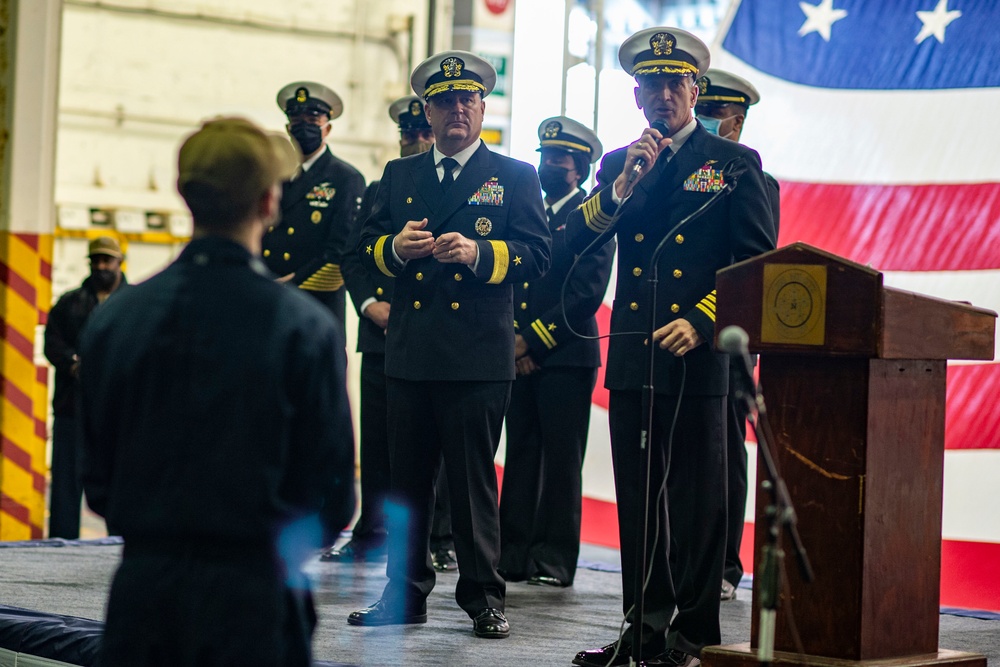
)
(685, 552)
(736, 461)
(461, 423)
(547, 425)
(370, 528)
(66, 489)
(369, 531)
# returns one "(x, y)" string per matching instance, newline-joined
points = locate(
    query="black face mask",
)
(308, 136)
(553, 180)
(104, 279)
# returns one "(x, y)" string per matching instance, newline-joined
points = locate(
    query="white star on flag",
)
(820, 18)
(935, 22)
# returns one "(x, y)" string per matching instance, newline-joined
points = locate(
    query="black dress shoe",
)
(352, 552)
(607, 656)
(382, 613)
(444, 560)
(542, 580)
(672, 658)
(491, 623)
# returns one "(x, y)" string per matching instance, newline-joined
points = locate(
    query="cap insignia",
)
(662, 43)
(452, 67)
(703, 84)
(414, 108)
(552, 129)
(301, 95)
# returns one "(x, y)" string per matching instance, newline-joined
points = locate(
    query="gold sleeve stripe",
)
(501, 261)
(327, 279)
(543, 334)
(707, 305)
(596, 219)
(380, 256)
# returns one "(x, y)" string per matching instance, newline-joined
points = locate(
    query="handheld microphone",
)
(660, 126)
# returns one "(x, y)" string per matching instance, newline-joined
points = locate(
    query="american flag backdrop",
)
(877, 117)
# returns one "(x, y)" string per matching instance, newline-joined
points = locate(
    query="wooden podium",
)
(853, 376)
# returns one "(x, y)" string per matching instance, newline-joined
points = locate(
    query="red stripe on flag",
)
(17, 341)
(600, 396)
(972, 420)
(968, 570)
(41, 430)
(17, 283)
(966, 567)
(897, 227)
(599, 523)
(42, 374)
(45, 269)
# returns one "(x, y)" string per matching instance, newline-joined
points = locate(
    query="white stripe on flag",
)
(868, 136)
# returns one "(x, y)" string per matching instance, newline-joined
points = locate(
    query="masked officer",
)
(549, 415)
(723, 102)
(305, 246)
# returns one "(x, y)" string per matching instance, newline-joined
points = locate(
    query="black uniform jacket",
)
(317, 212)
(62, 340)
(364, 285)
(538, 309)
(448, 322)
(774, 192)
(738, 226)
(214, 405)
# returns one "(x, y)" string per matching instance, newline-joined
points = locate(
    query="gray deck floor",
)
(548, 626)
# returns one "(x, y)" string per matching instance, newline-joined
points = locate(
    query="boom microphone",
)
(660, 126)
(734, 341)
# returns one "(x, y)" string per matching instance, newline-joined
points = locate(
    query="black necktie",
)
(449, 165)
(549, 213)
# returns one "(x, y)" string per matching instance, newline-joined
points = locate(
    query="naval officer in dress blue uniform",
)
(549, 415)
(723, 102)
(660, 180)
(456, 227)
(306, 245)
(372, 296)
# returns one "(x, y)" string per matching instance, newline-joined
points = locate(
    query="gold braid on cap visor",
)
(721, 98)
(448, 86)
(663, 67)
(568, 144)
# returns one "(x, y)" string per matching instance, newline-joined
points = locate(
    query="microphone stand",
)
(648, 399)
(780, 514)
